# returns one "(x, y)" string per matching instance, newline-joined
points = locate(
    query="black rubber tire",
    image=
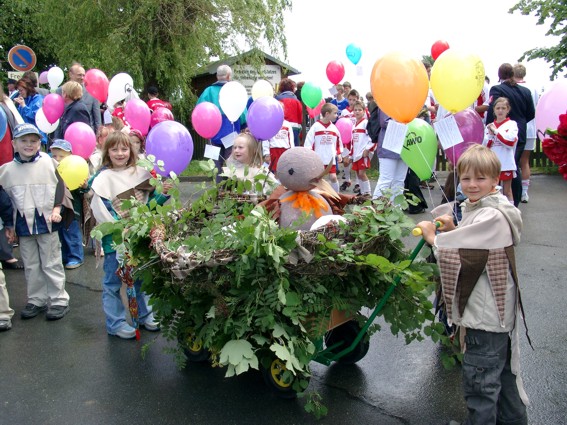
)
(347, 333)
(193, 348)
(272, 368)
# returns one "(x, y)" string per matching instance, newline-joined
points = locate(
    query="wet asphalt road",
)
(72, 372)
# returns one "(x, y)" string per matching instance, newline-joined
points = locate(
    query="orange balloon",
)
(399, 85)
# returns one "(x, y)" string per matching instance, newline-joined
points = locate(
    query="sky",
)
(319, 32)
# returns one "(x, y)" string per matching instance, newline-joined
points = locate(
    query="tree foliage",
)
(160, 43)
(17, 26)
(554, 12)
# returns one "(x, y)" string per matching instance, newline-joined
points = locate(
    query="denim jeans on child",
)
(111, 301)
(72, 243)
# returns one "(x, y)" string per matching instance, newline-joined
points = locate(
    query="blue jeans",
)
(111, 301)
(71, 243)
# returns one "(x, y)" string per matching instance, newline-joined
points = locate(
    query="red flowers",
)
(555, 145)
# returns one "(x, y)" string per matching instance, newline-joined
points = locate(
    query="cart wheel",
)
(346, 333)
(193, 347)
(281, 384)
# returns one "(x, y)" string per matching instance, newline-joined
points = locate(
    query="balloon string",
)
(444, 195)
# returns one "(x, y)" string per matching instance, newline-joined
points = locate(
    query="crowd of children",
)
(483, 300)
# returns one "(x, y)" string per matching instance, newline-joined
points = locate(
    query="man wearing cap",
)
(37, 192)
(229, 130)
(70, 234)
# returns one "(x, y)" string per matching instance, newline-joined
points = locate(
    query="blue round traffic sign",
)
(22, 58)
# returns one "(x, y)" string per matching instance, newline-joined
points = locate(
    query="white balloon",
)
(42, 123)
(262, 88)
(232, 99)
(120, 86)
(55, 77)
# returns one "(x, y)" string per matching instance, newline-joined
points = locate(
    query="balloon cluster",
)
(169, 141)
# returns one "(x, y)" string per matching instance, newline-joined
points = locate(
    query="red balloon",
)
(160, 115)
(438, 47)
(335, 72)
(313, 112)
(96, 83)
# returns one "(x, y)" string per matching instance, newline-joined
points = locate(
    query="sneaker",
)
(356, 189)
(345, 186)
(32, 310)
(150, 325)
(126, 332)
(73, 265)
(56, 312)
(525, 198)
(5, 325)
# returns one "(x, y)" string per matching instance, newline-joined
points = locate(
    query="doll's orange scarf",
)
(307, 203)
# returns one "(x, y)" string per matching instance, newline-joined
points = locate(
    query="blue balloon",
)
(353, 53)
(3, 122)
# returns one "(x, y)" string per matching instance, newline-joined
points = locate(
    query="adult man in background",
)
(531, 133)
(522, 111)
(229, 130)
(77, 74)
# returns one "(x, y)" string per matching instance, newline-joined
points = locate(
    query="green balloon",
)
(420, 148)
(311, 94)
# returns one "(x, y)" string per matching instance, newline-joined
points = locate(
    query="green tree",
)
(554, 12)
(159, 42)
(17, 26)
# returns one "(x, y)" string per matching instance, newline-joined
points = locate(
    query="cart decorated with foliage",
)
(232, 287)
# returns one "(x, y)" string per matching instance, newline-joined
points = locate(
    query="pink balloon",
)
(335, 72)
(138, 115)
(161, 115)
(96, 83)
(206, 119)
(53, 107)
(472, 129)
(82, 139)
(345, 128)
(43, 78)
(550, 105)
(313, 112)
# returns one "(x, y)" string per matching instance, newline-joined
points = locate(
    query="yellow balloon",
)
(262, 88)
(74, 171)
(457, 79)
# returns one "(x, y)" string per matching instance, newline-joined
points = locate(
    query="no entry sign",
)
(22, 58)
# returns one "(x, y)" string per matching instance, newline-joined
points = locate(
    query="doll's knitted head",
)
(299, 169)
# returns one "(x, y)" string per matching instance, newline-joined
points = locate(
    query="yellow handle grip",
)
(417, 230)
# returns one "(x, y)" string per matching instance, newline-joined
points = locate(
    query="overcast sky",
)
(319, 32)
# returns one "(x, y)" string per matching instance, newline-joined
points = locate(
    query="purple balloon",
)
(472, 129)
(265, 118)
(170, 142)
